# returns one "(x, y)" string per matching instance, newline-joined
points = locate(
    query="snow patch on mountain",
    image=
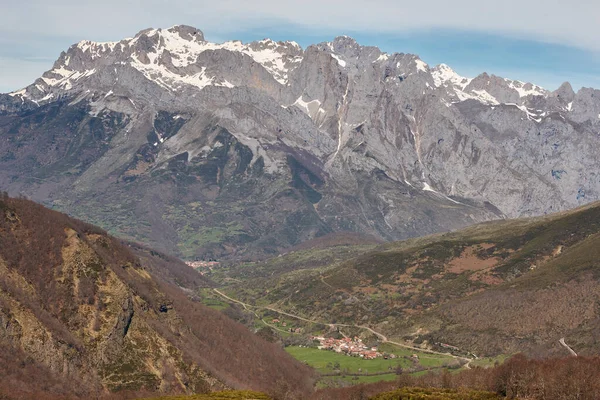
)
(173, 81)
(19, 93)
(341, 62)
(482, 96)
(271, 55)
(427, 188)
(181, 51)
(64, 78)
(421, 66)
(96, 50)
(526, 89)
(443, 75)
(536, 115)
(311, 108)
(171, 59)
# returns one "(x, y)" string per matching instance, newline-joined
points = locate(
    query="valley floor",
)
(338, 369)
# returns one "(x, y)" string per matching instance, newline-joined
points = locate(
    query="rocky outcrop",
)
(77, 303)
(241, 150)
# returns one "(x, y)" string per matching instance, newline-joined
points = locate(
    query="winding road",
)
(565, 345)
(383, 338)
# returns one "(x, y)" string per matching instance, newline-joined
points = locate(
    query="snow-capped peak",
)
(526, 89)
(168, 57)
(443, 75)
(275, 57)
(487, 89)
(421, 65)
(179, 58)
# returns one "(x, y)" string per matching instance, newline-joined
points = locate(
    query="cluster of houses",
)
(284, 324)
(351, 347)
(203, 266)
(448, 346)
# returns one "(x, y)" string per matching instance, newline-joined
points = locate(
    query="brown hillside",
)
(518, 378)
(493, 288)
(81, 309)
(168, 268)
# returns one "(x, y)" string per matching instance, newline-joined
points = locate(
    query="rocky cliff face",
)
(235, 149)
(78, 304)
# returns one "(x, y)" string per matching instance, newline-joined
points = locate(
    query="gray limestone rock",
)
(242, 150)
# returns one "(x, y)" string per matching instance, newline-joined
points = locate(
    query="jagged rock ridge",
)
(236, 149)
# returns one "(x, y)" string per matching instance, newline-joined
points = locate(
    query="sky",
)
(545, 42)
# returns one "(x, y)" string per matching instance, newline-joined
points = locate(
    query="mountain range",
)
(240, 151)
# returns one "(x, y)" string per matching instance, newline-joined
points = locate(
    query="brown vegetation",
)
(168, 268)
(494, 288)
(517, 378)
(470, 260)
(435, 394)
(225, 395)
(78, 305)
(337, 239)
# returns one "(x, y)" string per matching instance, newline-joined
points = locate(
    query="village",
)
(203, 266)
(351, 347)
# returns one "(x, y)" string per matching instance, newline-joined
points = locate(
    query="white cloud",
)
(554, 21)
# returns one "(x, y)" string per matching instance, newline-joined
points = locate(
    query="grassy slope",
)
(492, 288)
(320, 360)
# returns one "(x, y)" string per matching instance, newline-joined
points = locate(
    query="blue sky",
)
(543, 42)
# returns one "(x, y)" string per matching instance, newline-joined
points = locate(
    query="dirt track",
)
(383, 338)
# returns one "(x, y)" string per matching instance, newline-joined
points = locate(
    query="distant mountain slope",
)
(79, 305)
(493, 288)
(241, 151)
(168, 268)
